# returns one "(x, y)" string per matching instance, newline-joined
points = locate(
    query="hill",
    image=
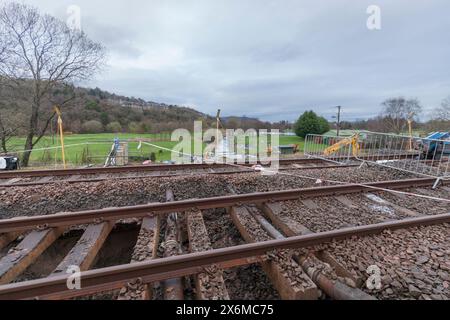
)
(87, 110)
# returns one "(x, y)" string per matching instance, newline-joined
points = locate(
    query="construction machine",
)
(350, 141)
(435, 146)
(9, 163)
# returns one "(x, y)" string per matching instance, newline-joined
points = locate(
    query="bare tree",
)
(443, 112)
(6, 133)
(44, 50)
(397, 111)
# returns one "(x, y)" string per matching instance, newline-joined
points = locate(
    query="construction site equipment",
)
(428, 156)
(118, 156)
(122, 154)
(436, 145)
(9, 163)
(287, 149)
(352, 142)
(111, 158)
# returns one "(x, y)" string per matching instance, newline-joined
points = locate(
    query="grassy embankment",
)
(78, 151)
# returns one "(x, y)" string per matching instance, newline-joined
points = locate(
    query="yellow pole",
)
(61, 135)
(410, 134)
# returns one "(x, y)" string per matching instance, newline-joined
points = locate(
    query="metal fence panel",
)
(429, 157)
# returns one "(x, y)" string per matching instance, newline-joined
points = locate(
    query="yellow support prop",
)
(410, 135)
(61, 135)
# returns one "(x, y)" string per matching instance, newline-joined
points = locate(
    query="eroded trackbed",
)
(283, 220)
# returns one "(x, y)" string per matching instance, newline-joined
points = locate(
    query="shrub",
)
(92, 126)
(310, 123)
(138, 127)
(114, 127)
(133, 127)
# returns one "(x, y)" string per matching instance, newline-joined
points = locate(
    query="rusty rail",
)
(127, 169)
(140, 211)
(111, 278)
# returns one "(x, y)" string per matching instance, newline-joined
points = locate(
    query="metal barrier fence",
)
(429, 157)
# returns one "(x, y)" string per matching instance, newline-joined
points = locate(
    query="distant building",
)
(344, 133)
(288, 149)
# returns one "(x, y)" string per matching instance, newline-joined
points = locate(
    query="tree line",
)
(396, 113)
(394, 117)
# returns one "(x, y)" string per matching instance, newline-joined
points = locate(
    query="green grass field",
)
(94, 148)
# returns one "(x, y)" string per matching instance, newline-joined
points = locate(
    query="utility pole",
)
(338, 125)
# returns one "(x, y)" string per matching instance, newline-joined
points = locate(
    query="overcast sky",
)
(270, 59)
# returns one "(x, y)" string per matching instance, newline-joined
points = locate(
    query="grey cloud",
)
(271, 59)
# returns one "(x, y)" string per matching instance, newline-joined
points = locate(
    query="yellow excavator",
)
(353, 141)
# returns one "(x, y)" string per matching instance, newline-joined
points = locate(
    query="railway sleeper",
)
(11, 182)
(322, 268)
(292, 228)
(382, 213)
(173, 288)
(383, 202)
(7, 238)
(286, 275)
(146, 248)
(45, 179)
(84, 253)
(209, 284)
(26, 252)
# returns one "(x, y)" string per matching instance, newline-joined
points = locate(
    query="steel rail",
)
(37, 183)
(139, 168)
(159, 269)
(85, 171)
(140, 211)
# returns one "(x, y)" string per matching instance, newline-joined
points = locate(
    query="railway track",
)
(80, 175)
(138, 168)
(262, 208)
(161, 269)
(141, 211)
(211, 170)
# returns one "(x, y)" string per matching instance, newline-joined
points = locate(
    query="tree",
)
(310, 123)
(8, 127)
(443, 112)
(104, 118)
(397, 111)
(134, 127)
(44, 51)
(114, 127)
(92, 126)
(6, 133)
(324, 126)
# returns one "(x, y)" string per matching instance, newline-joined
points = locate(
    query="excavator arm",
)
(353, 141)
